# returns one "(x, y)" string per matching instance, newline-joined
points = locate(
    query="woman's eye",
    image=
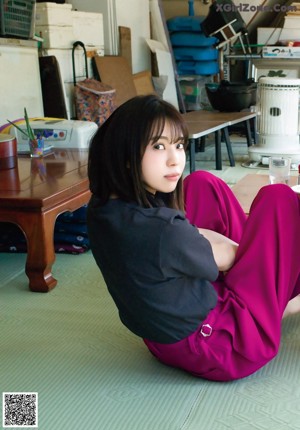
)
(159, 146)
(180, 146)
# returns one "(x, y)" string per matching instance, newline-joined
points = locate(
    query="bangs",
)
(178, 128)
(179, 131)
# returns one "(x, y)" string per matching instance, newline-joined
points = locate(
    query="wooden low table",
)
(33, 195)
(246, 189)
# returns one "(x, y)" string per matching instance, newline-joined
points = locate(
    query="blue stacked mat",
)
(195, 53)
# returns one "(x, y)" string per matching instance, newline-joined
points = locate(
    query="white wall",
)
(128, 13)
(135, 15)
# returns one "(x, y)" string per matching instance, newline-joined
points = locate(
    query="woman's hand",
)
(224, 249)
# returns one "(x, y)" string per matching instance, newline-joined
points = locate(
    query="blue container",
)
(195, 54)
(182, 38)
(204, 68)
(185, 23)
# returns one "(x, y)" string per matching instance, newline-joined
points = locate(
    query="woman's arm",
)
(224, 249)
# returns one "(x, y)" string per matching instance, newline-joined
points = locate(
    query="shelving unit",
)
(195, 55)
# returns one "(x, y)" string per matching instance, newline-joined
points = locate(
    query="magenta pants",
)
(242, 333)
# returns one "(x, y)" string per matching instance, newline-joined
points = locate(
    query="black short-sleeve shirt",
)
(157, 268)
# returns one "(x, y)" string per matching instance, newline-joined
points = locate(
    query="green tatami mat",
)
(10, 267)
(90, 373)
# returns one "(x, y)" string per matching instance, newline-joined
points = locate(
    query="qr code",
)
(20, 410)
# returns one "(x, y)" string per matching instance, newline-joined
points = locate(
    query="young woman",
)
(203, 286)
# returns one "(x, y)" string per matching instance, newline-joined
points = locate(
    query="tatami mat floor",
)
(206, 161)
(90, 373)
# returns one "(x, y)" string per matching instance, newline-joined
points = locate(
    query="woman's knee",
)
(197, 175)
(201, 178)
(275, 194)
(278, 202)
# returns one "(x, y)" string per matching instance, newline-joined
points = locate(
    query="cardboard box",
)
(56, 36)
(88, 27)
(271, 36)
(281, 52)
(292, 21)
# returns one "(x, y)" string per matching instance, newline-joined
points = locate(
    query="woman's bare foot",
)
(293, 307)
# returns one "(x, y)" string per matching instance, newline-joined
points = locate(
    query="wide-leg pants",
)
(242, 333)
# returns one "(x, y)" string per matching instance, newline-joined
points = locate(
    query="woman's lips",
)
(173, 177)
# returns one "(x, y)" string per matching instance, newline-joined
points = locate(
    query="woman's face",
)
(163, 162)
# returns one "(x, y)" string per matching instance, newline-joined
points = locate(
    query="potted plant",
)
(36, 143)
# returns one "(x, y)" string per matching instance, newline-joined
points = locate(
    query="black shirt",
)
(156, 265)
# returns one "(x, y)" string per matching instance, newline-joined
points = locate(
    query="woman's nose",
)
(173, 157)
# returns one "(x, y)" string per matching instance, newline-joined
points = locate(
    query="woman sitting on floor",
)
(204, 286)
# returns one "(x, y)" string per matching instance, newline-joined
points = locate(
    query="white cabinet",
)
(20, 84)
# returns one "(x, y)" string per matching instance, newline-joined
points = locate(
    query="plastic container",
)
(195, 54)
(232, 96)
(8, 152)
(53, 14)
(193, 92)
(17, 18)
(204, 68)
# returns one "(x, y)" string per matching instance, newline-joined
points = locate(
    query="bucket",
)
(8, 152)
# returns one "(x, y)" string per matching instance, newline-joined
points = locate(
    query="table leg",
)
(39, 230)
(229, 147)
(248, 132)
(202, 144)
(218, 150)
(192, 154)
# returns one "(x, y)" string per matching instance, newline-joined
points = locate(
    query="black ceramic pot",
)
(232, 96)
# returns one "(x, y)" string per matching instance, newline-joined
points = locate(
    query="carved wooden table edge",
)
(38, 228)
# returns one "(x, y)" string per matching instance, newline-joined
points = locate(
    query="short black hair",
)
(117, 149)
